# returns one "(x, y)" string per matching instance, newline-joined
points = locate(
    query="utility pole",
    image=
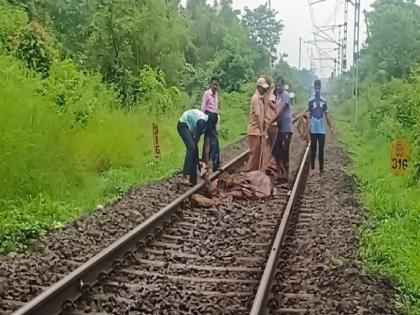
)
(300, 52)
(344, 45)
(335, 67)
(271, 43)
(339, 51)
(367, 24)
(356, 52)
(312, 69)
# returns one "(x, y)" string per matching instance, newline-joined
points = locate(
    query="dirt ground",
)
(25, 275)
(322, 273)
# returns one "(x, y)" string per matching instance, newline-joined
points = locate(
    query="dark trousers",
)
(211, 135)
(191, 156)
(281, 153)
(317, 139)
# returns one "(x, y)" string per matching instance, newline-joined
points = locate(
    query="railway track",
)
(184, 259)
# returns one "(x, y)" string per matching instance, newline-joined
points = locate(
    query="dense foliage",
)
(118, 38)
(82, 82)
(388, 108)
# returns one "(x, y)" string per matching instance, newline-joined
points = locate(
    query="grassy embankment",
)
(66, 146)
(390, 239)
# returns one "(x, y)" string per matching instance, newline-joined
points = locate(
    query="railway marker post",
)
(399, 157)
(156, 140)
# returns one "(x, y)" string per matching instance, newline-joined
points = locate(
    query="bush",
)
(34, 46)
(67, 144)
(390, 240)
(12, 21)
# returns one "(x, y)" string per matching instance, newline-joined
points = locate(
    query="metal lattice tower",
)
(339, 52)
(356, 52)
(356, 31)
(344, 44)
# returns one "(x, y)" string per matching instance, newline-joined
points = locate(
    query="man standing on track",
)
(317, 107)
(210, 106)
(270, 111)
(191, 126)
(256, 132)
(284, 131)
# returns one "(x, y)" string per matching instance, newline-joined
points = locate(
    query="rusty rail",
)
(64, 292)
(259, 304)
(61, 295)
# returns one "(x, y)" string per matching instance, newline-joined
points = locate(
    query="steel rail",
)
(258, 306)
(63, 293)
(69, 288)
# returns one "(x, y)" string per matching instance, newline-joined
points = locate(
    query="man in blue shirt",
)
(192, 124)
(284, 130)
(317, 107)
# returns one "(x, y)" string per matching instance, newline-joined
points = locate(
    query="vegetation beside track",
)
(82, 83)
(390, 238)
(388, 108)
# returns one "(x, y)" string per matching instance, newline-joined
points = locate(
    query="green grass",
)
(66, 147)
(390, 242)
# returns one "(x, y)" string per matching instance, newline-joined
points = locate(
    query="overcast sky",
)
(296, 17)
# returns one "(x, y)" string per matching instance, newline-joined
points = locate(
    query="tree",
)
(394, 42)
(126, 37)
(264, 27)
(233, 63)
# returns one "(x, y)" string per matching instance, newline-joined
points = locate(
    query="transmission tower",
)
(356, 52)
(339, 52)
(344, 44)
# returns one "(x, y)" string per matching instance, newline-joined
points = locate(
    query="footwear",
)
(321, 172)
(184, 181)
(311, 172)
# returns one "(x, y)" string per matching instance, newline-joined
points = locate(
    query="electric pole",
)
(344, 45)
(271, 42)
(300, 52)
(356, 51)
(339, 51)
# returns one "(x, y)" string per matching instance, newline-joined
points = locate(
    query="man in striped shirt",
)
(210, 106)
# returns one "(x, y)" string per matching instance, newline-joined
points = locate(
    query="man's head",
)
(268, 79)
(262, 85)
(317, 87)
(279, 86)
(214, 84)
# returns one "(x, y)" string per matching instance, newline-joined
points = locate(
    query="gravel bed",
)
(319, 272)
(25, 275)
(208, 262)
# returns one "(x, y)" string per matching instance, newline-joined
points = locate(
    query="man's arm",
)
(204, 102)
(279, 109)
(308, 110)
(327, 116)
(197, 140)
(201, 124)
(256, 108)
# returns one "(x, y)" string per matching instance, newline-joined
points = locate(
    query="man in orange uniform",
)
(256, 132)
(271, 131)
